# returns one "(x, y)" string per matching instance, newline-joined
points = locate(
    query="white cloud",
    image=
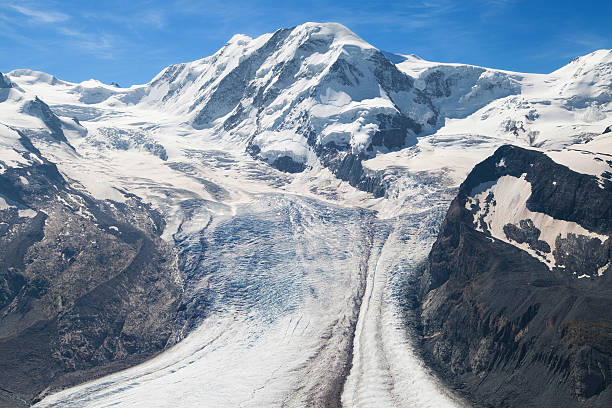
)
(99, 45)
(42, 16)
(152, 18)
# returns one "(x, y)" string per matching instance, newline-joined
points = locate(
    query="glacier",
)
(303, 178)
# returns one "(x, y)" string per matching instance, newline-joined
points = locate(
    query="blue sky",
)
(130, 41)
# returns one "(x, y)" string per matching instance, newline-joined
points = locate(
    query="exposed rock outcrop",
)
(500, 323)
(86, 287)
(42, 111)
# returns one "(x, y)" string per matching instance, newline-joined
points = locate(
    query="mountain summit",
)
(316, 90)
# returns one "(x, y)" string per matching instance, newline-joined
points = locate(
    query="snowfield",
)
(298, 280)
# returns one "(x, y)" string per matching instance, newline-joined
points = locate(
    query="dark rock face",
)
(5, 82)
(394, 130)
(526, 232)
(287, 164)
(607, 130)
(5, 86)
(42, 111)
(86, 287)
(348, 167)
(497, 322)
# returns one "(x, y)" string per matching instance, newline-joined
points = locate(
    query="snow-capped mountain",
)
(553, 110)
(318, 94)
(299, 179)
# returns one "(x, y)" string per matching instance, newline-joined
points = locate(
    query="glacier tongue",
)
(283, 285)
(279, 285)
(386, 370)
(290, 297)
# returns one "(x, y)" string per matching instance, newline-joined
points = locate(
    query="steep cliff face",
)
(517, 288)
(86, 286)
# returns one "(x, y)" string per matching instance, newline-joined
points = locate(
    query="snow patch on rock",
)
(504, 201)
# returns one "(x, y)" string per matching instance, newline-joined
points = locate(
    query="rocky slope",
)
(518, 284)
(86, 287)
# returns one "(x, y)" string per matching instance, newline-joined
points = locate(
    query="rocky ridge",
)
(498, 321)
(86, 286)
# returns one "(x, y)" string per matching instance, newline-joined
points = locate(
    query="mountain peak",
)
(603, 56)
(338, 33)
(240, 39)
(31, 76)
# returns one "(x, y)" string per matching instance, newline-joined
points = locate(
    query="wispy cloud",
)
(160, 32)
(490, 9)
(407, 16)
(41, 16)
(59, 25)
(588, 40)
(99, 45)
(152, 18)
(569, 46)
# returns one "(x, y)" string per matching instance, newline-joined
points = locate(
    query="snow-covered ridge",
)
(569, 105)
(272, 93)
(289, 93)
(581, 160)
(310, 96)
(307, 98)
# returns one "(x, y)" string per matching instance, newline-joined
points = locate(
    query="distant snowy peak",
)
(318, 95)
(585, 63)
(30, 77)
(297, 94)
(569, 105)
(587, 78)
(458, 90)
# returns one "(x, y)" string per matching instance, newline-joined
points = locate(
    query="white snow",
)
(510, 195)
(282, 143)
(11, 151)
(4, 205)
(552, 110)
(582, 161)
(385, 369)
(29, 213)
